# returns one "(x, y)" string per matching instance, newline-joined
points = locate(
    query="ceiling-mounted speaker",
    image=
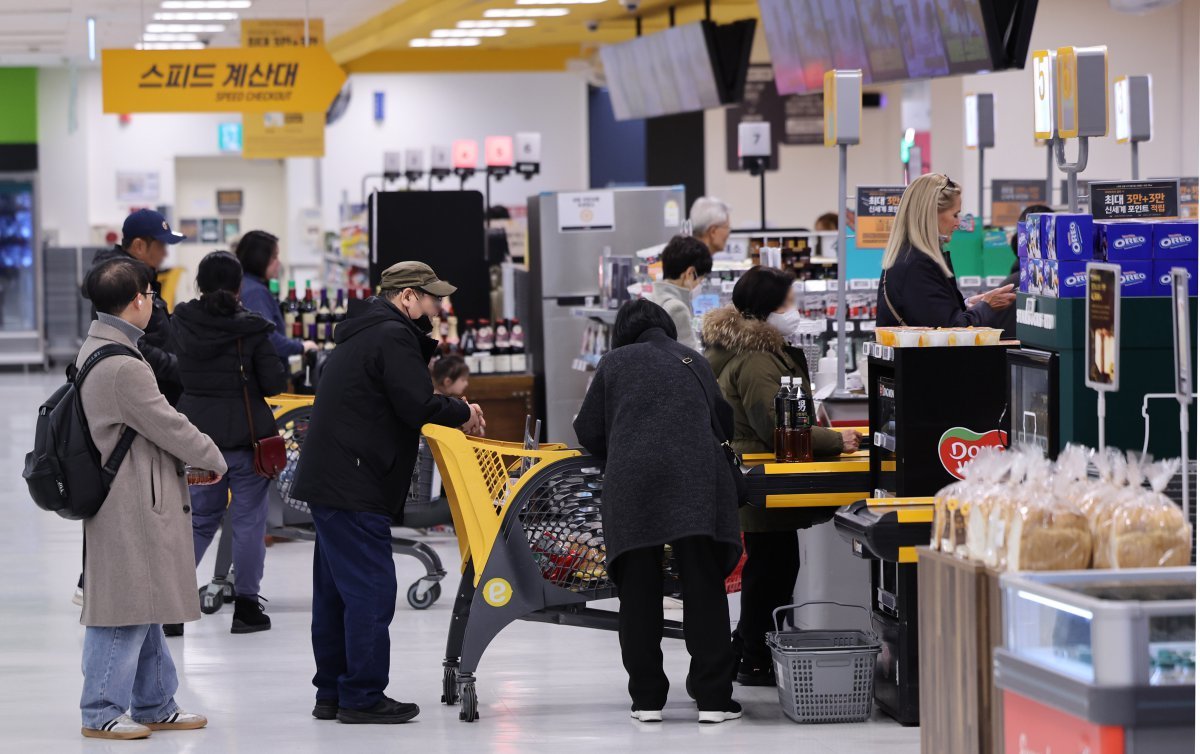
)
(1140, 6)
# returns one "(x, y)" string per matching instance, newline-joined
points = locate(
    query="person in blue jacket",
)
(258, 251)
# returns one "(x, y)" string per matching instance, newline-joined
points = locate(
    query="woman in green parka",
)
(747, 345)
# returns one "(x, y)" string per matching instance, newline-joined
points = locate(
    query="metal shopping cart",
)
(532, 543)
(289, 518)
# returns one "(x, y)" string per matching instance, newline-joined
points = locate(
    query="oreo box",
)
(1068, 236)
(1023, 286)
(1137, 279)
(1022, 240)
(1121, 240)
(1035, 229)
(1175, 239)
(1037, 276)
(1070, 276)
(1162, 275)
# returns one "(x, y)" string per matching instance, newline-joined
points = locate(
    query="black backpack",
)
(64, 471)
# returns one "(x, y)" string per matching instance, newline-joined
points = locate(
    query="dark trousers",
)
(354, 599)
(248, 518)
(639, 578)
(768, 582)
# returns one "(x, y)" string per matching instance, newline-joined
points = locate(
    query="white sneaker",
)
(180, 720)
(732, 712)
(77, 598)
(647, 715)
(121, 729)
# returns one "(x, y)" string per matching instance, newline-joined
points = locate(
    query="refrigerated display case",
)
(1033, 399)
(565, 275)
(1101, 660)
(21, 296)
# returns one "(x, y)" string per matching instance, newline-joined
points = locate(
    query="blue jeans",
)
(354, 600)
(127, 668)
(248, 517)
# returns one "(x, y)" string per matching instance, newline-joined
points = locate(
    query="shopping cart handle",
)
(778, 610)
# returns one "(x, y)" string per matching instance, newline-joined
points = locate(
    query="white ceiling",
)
(54, 32)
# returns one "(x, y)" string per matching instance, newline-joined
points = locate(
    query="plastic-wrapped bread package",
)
(941, 517)
(1149, 530)
(1100, 498)
(1020, 462)
(993, 468)
(1047, 532)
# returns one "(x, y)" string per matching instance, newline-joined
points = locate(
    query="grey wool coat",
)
(666, 476)
(139, 562)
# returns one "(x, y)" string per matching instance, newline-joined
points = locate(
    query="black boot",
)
(172, 629)
(249, 616)
(386, 712)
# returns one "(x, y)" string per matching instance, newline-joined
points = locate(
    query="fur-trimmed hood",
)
(728, 334)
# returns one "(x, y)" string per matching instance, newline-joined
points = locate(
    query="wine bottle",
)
(484, 343)
(500, 348)
(468, 346)
(324, 320)
(291, 308)
(516, 340)
(339, 314)
(308, 310)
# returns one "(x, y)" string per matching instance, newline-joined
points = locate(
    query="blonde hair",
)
(916, 221)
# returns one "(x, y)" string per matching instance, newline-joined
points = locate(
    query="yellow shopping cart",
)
(532, 543)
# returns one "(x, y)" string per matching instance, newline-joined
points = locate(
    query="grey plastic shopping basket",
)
(824, 676)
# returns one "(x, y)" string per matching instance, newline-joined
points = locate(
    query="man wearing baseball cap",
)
(375, 395)
(145, 237)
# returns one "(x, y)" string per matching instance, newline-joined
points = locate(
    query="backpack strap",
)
(113, 464)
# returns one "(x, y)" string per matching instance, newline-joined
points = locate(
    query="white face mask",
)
(786, 323)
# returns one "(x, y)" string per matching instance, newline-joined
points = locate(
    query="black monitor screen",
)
(881, 34)
(964, 36)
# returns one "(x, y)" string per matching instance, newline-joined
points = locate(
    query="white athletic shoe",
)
(647, 715)
(180, 721)
(121, 729)
(732, 712)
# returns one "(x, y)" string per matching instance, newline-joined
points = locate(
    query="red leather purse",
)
(270, 453)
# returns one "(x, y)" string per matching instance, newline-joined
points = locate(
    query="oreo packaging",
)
(1068, 236)
(1162, 275)
(1175, 239)
(1119, 240)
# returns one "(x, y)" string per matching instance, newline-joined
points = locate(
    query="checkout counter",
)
(884, 531)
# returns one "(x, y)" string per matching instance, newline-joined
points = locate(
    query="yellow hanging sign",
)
(275, 135)
(219, 80)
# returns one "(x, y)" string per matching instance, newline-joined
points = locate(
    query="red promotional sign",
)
(499, 151)
(466, 153)
(1032, 728)
(959, 446)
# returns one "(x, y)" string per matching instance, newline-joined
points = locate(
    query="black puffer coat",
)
(374, 397)
(666, 476)
(206, 345)
(923, 296)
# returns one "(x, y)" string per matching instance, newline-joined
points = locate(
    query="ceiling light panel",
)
(170, 46)
(525, 12)
(512, 23)
(170, 38)
(190, 16)
(462, 42)
(445, 33)
(205, 4)
(185, 28)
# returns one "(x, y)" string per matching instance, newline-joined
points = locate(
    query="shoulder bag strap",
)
(690, 363)
(246, 392)
(887, 300)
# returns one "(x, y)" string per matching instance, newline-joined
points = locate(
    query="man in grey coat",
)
(138, 558)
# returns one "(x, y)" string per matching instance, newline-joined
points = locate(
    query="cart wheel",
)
(422, 603)
(210, 603)
(450, 685)
(470, 704)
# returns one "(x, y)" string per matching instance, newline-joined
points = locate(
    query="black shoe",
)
(326, 709)
(249, 616)
(750, 675)
(387, 712)
(172, 629)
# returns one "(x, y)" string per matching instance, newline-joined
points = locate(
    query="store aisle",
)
(540, 686)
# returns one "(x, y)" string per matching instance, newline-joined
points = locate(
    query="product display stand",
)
(1072, 169)
(1050, 171)
(841, 282)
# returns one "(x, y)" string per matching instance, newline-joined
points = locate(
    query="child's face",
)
(456, 389)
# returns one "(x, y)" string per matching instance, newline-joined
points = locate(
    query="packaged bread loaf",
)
(1020, 462)
(1047, 532)
(1149, 530)
(991, 468)
(1098, 499)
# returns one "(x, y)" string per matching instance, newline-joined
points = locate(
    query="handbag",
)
(731, 455)
(270, 453)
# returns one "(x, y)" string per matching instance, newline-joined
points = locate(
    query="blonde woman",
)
(918, 288)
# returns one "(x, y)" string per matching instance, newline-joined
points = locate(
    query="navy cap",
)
(146, 223)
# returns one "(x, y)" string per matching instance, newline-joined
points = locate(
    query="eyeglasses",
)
(149, 294)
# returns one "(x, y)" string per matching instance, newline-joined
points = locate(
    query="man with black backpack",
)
(139, 571)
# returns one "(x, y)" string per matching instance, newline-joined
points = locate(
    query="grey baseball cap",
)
(415, 275)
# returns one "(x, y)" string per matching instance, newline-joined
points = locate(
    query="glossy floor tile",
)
(541, 687)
